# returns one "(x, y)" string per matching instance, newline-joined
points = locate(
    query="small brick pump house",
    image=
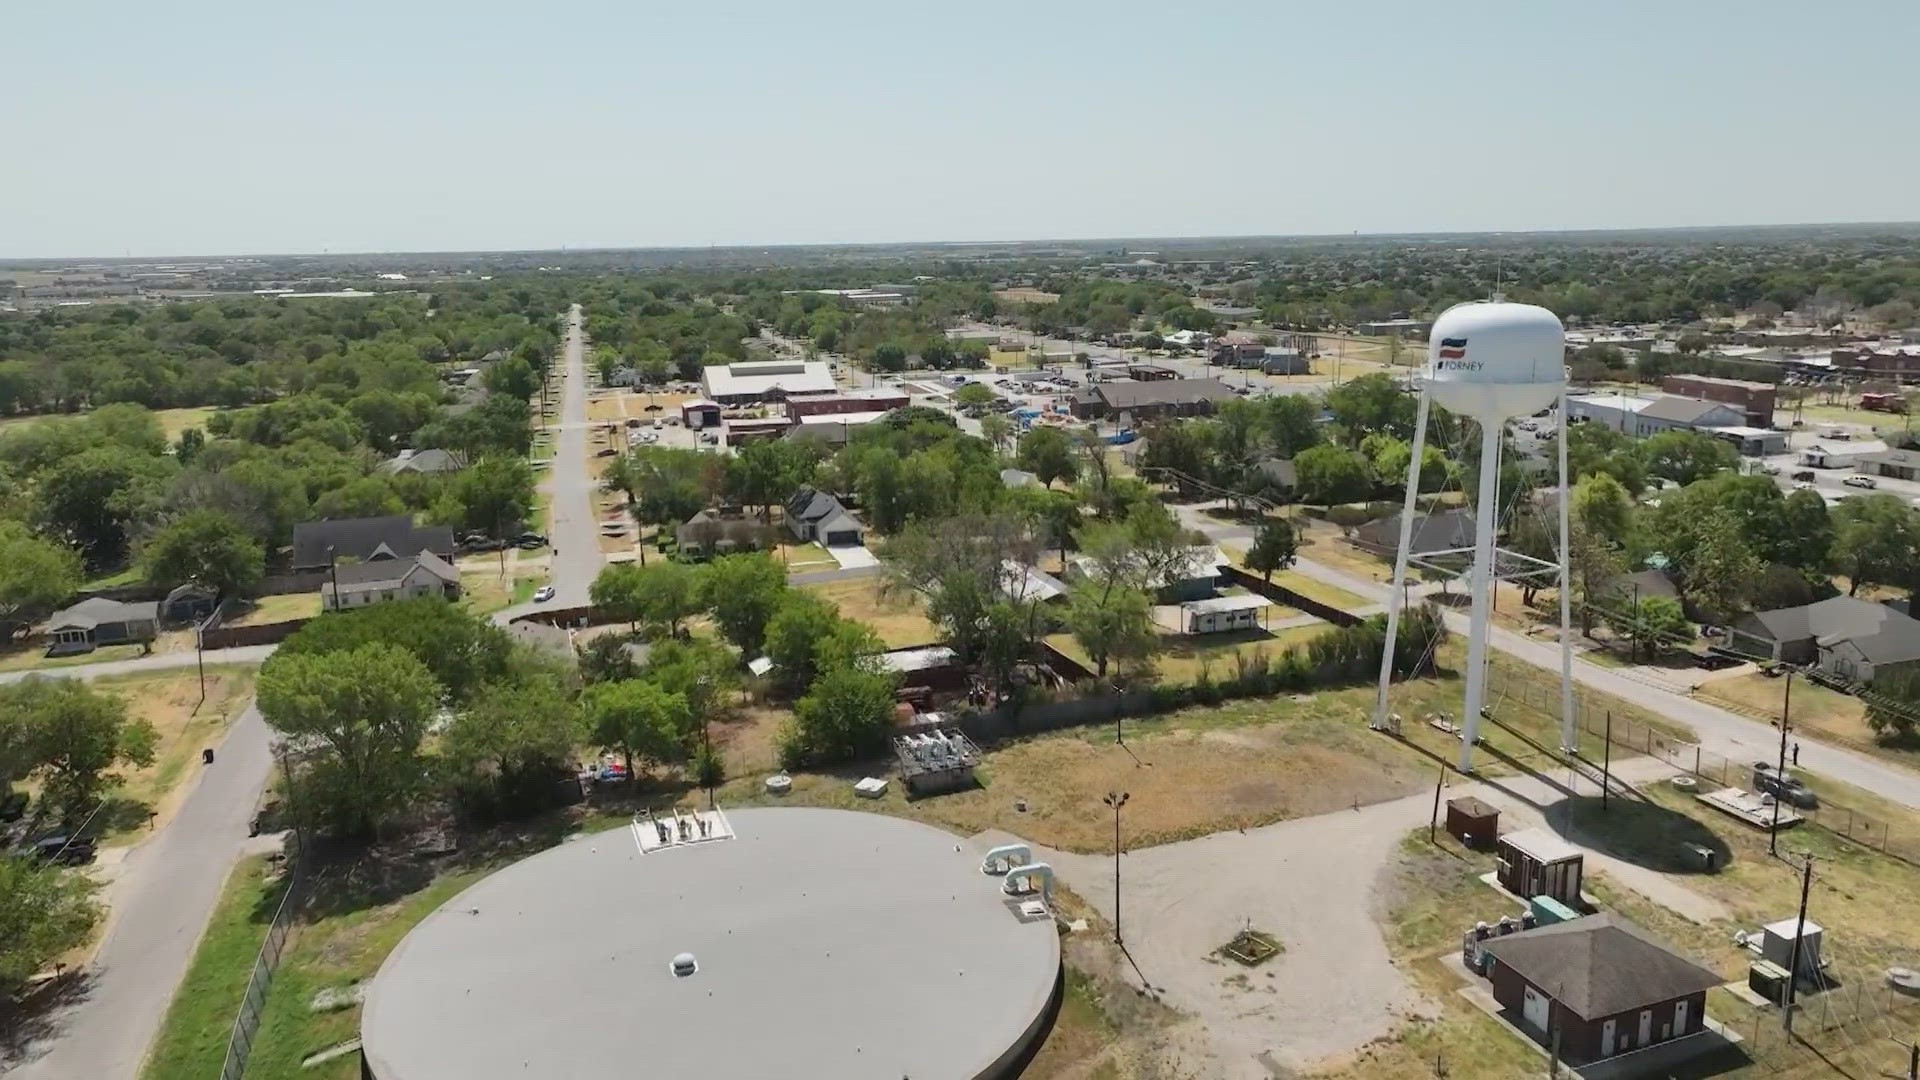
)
(1607, 985)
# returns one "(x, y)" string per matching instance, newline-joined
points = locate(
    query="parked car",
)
(1860, 482)
(67, 851)
(543, 594)
(1804, 485)
(1805, 476)
(1783, 786)
(484, 543)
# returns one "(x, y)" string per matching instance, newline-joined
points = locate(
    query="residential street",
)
(245, 654)
(575, 534)
(161, 901)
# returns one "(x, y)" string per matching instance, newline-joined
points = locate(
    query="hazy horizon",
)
(221, 127)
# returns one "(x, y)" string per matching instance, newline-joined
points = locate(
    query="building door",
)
(1680, 1017)
(1535, 1008)
(1607, 1034)
(1646, 1027)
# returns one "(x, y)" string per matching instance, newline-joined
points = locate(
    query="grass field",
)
(170, 701)
(1183, 657)
(33, 657)
(898, 617)
(172, 421)
(279, 608)
(192, 1043)
(1828, 714)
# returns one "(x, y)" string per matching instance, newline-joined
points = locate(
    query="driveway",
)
(1315, 883)
(854, 558)
(161, 899)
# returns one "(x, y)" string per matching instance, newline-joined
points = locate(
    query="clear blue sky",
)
(225, 127)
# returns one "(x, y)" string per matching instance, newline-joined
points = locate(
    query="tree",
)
(888, 356)
(1686, 456)
(959, 565)
(637, 719)
(35, 574)
(514, 377)
(44, 912)
(996, 429)
(1876, 541)
(188, 446)
(513, 728)
(795, 633)
(496, 495)
(697, 669)
(1331, 475)
(1721, 570)
(1603, 507)
(1655, 625)
(368, 496)
(766, 472)
(93, 499)
(68, 736)
(1372, 403)
(1047, 452)
(1112, 622)
(973, 395)
(461, 651)
(846, 714)
(616, 591)
(1893, 703)
(359, 715)
(743, 591)
(208, 548)
(1291, 423)
(1274, 548)
(669, 592)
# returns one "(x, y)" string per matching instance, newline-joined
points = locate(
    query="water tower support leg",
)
(1399, 589)
(1569, 731)
(1485, 520)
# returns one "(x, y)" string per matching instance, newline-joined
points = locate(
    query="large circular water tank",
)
(1491, 361)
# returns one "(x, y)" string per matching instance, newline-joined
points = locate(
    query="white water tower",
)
(1489, 362)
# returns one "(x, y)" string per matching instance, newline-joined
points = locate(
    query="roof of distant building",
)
(430, 460)
(1601, 965)
(756, 378)
(1685, 410)
(387, 572)
(317, 543)
(95, 610)
(1133, 395)
(1882, 634)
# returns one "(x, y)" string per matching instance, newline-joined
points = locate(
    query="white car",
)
(1860, 482)
(543, 594)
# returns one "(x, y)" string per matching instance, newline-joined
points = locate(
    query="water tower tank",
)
(1492, 361)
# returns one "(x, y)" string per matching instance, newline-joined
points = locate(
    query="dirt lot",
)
(899, 618)
(621, 404)
(1183, 657)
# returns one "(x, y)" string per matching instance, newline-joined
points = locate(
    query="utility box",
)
(1534, 862)
(1776, 945)
(1472, 822)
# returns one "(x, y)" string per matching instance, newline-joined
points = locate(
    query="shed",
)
(700, 413)
(1534, 862)
(1222, 614)
(1472, 821)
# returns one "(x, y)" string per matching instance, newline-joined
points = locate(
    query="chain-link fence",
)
(247, 1022)
(1639, 738)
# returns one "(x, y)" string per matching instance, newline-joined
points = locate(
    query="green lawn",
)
(192, 1042)
(128, 576)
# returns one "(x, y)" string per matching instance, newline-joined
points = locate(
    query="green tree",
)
(888, 356)
(94, 498)
(496, 495)
(1274, 548)
(1893, 703)
(973, 395)
(1369, 404)
(36, 574)
(802, 623)
(513, 377)
(513, 728)
(207, 548)
(1686, 456)
(1656, 625)
(44, 912)
(188, 446)
(368, 496)
(1876, 541)
(846, 714)
(766, 472)
(669, 593)
(361, 714)
(1332, 475)
(1291, 423)
(69, 736)
(461, 651)
(743, 591)
(1047, 452)
(697, 669)
(1721, 570)
(996, 429)
(637, 719)
(616, 591)
(1112, 622)
(1603, 507)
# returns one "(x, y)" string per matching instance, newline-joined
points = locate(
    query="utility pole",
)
(1116, 799)
(1799, 930)
(1606, 765)
(1433, 823)
(1780, 774)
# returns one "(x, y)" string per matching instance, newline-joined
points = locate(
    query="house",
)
(1444, 530)
(1196, 577)
(1222, 614)
(813, 514)
(98, 621)
(188, 602)
(1598, 986)
(761, 380)
(1285, 362)
(1642, 584)
(1844, 636)
(1021, 583)
(1238, 354)
(713, 532)
(1276, 475)
(319, 544)
(422, 462)
(352, 585)
(1146, 400)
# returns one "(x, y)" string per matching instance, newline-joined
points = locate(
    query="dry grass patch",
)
(170, 701)
(897, 616)
(1829, 713)
(280, 608)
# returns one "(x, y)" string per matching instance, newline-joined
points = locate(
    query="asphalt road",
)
(161, 900)
(245, 654)
(575, 533)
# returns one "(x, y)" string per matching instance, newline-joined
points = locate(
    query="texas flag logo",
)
(1453, 348)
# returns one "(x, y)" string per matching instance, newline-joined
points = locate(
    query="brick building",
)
(1755, 399)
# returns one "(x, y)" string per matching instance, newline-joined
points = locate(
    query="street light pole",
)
(1116, 799)
(1780, 773)
(1799, 929)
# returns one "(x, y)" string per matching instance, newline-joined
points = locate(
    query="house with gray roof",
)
(1847, 638)
(98, 621)
(422, 462)
(353, 585)
(1667, 413)
(319, 544)
(715, 532)
(813, 514)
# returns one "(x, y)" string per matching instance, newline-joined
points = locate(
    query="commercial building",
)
(1752, 441)
(761, 380)
(1891, 361)
(1150, 400)
(877, 400)
(1598, 986)
(1894, 464)
(767, 942)
(1414, 328)
(701, 413)
(1642, 416)
(1754, 399)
